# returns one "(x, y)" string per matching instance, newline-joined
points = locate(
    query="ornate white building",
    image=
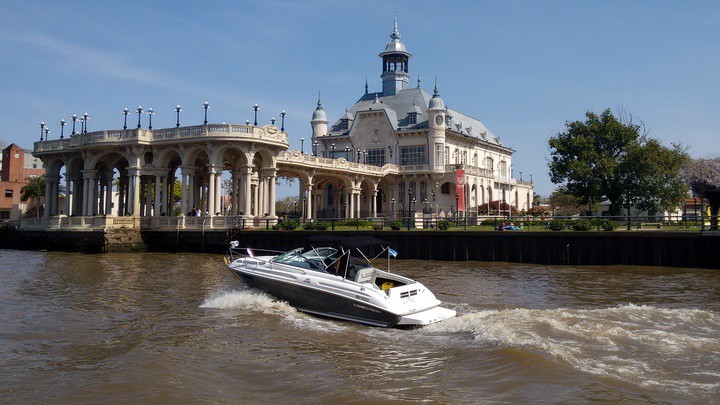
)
(423, 142)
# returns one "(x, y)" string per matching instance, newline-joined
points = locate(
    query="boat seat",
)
(364, 275)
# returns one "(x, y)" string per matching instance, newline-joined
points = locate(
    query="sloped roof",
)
(398, 107)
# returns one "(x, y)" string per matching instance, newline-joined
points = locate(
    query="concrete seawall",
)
(650, 248)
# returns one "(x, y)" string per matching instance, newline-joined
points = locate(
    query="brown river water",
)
(179, 328)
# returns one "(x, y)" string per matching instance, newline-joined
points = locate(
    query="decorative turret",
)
(395, 65)
(319, 121)
(436, 125)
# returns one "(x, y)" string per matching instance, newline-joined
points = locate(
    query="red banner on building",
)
(460, 189)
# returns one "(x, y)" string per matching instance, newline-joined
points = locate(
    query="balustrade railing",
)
(138, 134)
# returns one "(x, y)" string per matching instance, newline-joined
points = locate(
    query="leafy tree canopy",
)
(703, 176)
(607, 157)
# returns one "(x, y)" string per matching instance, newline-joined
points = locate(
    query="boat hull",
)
(318, 302)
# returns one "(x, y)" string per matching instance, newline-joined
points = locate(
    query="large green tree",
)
(703, 176)
(607, 157)
(33, 191)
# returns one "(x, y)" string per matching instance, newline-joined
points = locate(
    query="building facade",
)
(442, 159)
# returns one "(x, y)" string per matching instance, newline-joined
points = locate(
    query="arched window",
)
(401, 192)
(489, 164)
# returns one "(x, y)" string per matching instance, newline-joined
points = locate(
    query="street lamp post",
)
(62, 129)
(282, 120)
(73, 118)
(125, 113)
(272, 121)
(205, 106)
(347, 153)
(333, 150)
(139, 111)
(457, 201)
(302, 146)
(86, 117)
(150, 113)
(47, 132)
(392, 207)
(315, 144)
(255, 108)
(178, 110)
(42, 130)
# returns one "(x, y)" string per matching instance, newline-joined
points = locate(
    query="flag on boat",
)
(392, 252)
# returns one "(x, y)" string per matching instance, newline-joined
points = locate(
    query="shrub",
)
(556, 225)
(582, 225)
(286, 225)
(321, 225)
(490, 221)
(377, 227)
(608, 225)
(444, 225)
(396, 225)
(357, 223)
(308, 226)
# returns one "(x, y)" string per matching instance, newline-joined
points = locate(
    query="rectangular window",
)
(413, 155)
(8, 193)
(439, 155)
(447, 154)
(413, 118)
(375, 157)
(344, 123)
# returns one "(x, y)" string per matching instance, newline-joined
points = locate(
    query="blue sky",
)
(523, 68)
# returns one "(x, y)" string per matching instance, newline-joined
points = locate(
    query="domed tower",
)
(436, 131)
(395, 65)
(319, 121)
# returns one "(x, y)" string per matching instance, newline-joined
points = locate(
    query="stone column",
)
(108, 195)
(158, 187)
(309, 196)
(247, 187)
(233, 193)
(373, 203)
(48, 191)
(271, 192)
(191, 201)
(218, 191)
(184, 192)
(54, 196)
(91, 202)
(134, 192)
(211, 192)
(85, 188)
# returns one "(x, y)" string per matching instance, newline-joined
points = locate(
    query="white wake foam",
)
(247, 299)
(252, 300)
(650, 346)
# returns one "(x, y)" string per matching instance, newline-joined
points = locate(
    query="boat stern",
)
(426, 317)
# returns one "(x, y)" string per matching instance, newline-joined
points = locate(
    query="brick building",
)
(17, 166)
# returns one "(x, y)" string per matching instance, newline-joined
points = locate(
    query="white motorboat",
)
(334, 278)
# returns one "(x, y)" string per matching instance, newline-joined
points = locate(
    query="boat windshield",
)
(295, 259)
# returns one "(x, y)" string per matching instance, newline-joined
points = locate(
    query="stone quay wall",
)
(649, 248)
